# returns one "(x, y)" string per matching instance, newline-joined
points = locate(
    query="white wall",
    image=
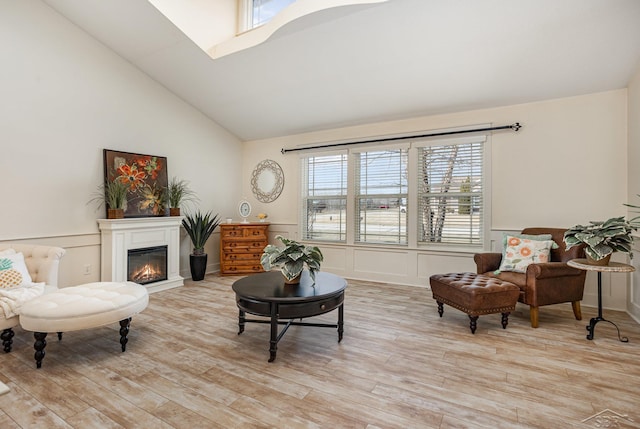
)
(205, 22)
(66, 97)
(633, 197)
(567, 165)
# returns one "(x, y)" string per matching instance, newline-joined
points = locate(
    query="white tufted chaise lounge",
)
(42, 263)
(83, 307)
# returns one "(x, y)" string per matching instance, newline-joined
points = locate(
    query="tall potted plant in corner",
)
(291, 259)
(199, 227)
(602, 239)
(178, 193)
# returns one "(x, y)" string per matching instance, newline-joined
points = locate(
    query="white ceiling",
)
(403, 58)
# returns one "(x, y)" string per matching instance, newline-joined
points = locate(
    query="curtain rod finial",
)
(516, 126)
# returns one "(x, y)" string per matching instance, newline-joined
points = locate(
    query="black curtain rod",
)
(514, 127)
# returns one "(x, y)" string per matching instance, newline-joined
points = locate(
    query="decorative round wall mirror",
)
(267, 181)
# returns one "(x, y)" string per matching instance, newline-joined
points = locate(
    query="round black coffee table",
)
(267, 295)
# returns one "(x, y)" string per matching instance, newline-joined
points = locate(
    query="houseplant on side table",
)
(291, 259)
(199, 227)
(602, 239)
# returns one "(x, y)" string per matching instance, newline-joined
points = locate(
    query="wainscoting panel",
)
(335, 259)
(406, 266)
(380, 261)
(81, 262)
(434, 263)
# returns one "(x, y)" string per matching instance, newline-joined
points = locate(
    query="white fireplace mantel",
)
(120, 235)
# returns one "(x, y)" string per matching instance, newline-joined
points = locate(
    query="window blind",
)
(381, 196)
(450, 193)
(324, 200)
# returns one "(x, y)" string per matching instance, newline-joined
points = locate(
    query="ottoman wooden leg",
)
(7, 340)
(39, 345)
(472, 323)
(440, 308)
(505, 320)
(124, 331)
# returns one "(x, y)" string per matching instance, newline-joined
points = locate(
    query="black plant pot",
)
(198, 265)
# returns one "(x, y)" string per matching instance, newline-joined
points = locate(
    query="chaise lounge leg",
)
(576, 310)
(39, 346)
(124, 331)
(7, 340)
(533, 314)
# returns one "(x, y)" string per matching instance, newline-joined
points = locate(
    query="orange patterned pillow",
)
(520, 252)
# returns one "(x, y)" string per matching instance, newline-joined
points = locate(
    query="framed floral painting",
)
(146, 176)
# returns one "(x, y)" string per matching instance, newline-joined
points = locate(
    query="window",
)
(381, 196)
(450, 192)
(324, 197)
(422, 193)
(259, 12)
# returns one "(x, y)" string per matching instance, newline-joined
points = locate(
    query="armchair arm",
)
(486, 262)
(551, 269)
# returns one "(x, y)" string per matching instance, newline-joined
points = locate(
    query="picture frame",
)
(146, 176)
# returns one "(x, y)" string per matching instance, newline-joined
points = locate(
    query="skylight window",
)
(220, 27)
(262, 11)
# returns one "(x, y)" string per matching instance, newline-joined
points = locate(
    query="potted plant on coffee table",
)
(178, 193)
(602, 239)
(199, 227)
(291, 259)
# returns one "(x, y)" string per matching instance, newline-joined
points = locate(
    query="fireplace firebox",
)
(148, 265)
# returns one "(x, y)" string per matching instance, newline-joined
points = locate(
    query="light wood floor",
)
(398, 366)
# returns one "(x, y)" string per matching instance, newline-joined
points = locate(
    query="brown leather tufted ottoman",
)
(474, 294)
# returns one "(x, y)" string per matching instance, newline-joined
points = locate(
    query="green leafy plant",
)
(178, 192)
(636, 220)
(199, 227)
(291, 258)
(602, 238)
(114, 194)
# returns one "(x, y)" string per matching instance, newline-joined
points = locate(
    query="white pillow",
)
(520, 252)
(17, 263)
(7, 252)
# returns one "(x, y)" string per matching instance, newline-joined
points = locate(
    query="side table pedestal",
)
(613, 267)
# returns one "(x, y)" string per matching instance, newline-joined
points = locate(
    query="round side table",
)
(613, 267)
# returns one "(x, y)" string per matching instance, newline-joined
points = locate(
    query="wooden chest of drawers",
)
(241, 246)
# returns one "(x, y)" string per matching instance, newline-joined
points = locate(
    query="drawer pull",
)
(323, 307)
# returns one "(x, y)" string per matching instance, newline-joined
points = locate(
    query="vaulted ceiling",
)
(360, 64)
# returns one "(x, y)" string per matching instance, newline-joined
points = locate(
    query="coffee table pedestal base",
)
(274, 321)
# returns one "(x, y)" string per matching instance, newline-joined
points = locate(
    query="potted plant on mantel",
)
(291, 259)
(199, 227)
(114, 194)
(602, 239)
(178, 193)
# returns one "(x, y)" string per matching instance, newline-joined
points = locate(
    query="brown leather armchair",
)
(547, 283)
